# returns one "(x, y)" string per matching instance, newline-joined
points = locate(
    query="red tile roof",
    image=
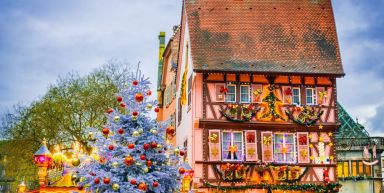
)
(264, 36)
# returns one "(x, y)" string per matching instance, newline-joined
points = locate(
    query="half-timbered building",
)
(255, 94)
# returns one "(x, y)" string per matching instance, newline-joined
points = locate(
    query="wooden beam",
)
(264, 126)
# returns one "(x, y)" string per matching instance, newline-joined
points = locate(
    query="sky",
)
(41, 40)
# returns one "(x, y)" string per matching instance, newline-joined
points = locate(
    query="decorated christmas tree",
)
(130, 153)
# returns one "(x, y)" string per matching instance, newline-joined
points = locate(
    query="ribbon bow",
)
(257, 92)
(323, 94)
(223, 90)
(267, 140)
(233, 148)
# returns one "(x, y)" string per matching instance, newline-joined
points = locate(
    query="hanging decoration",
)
(257, 93)
(213, 138)
(325, 176)
(308, 116)
(223, 90)
(232, 172)
(273, 111)
(322, 95)
(328, 188)
(248, 112)
(251, 137)
(370, 163)
(288, 95)
(267, 140)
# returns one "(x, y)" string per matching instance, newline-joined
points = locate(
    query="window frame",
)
(241, 94)
(239, 157)
(314, 94)
(226, 97)
(293, 95)
(284, 143)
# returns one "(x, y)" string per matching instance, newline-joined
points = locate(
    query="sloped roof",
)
(349, 128)
(265, 36)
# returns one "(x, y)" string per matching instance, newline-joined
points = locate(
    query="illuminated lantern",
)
(42, 159)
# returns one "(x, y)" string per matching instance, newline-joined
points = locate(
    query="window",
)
(354, 168)
(367, 170)
(244, 94)
(190, 91)
(173, 88)
(185, 149)
(284, 148)
(180, 111)
(231, 93)
(310, 95)
(296, 96)
(345, 169)
(232, 146)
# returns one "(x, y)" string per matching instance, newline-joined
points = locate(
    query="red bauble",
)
(153, 144)
(139, 97)
(135, 83)
(111, 147)
(133, 182)
(157, 109)
(97, 180)
(131, 146)
(142, 157)
(149, 92)
(109, 110)
(155, 184)
(122, 104)
(148, 163)
(146, 146)
(135, 113)
(107, 180)
(182, 153)
(119, 98)
(181, 170)
(129, 160)
(105, 131)
(80, 187)
(120, 131)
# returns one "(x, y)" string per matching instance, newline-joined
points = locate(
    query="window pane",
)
(296, 96)
(309, 95)
(346, 169)
(354, 168)
(367, 170)
(231, 94)
(244, 91)
(339, 169)
(360, 168)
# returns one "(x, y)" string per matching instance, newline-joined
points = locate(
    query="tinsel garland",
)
(329, 188)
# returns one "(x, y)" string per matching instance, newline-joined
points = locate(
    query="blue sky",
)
(41, 40)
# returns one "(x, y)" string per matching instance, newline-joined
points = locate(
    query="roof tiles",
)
(264, 36)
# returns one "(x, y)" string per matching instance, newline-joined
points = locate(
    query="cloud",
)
(42, 40)
(360, 27)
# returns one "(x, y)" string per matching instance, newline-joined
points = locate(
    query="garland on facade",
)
(248, 112)
(308, 115)
(328, 188)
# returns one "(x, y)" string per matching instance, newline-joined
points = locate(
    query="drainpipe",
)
(160, 67)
